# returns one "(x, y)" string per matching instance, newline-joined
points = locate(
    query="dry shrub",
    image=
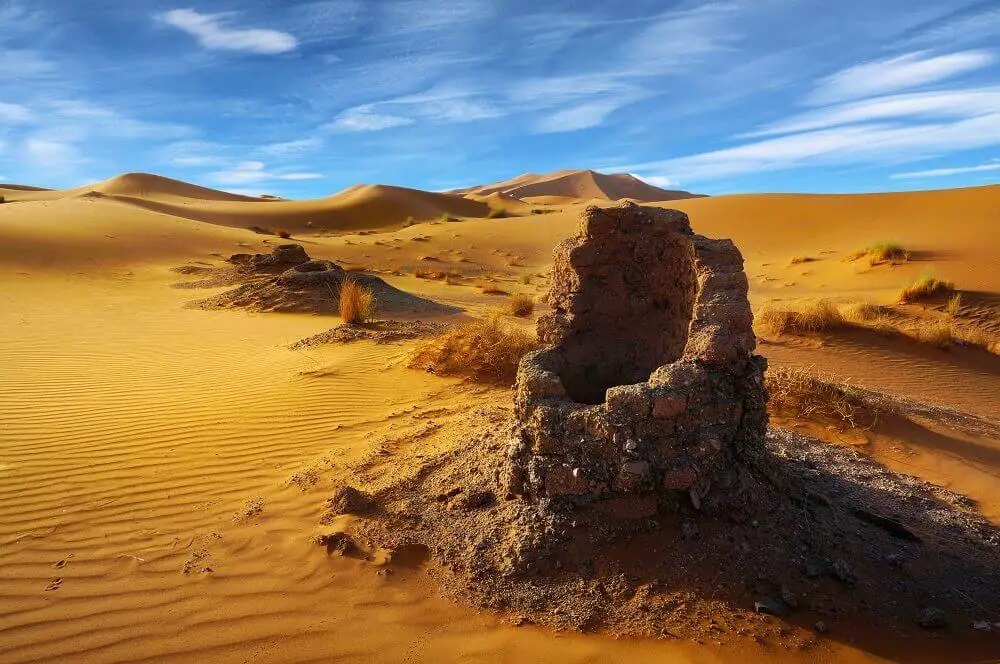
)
(937, 333)
(525, 279)
(423, 273)
(496, 213)
(954, 304)
(357, 301)
(884, 251)
(977, 336)
(802, 259)
(924, 288)
(487, 350)
(819, 316)
(865, 312)
(806, 395)
(283, 234)
(453, 278)
(491, 287)
(521, 304)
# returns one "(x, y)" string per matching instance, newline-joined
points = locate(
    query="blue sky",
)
(303, 98)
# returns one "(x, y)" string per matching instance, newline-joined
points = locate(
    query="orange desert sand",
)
(163, 468)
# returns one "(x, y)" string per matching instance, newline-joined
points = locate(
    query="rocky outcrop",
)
(648, 389)
(281, 256)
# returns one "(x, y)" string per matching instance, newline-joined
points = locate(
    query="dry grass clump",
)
(424, 273)
(954, 304)
(486, 350)
(882, 252)
(977, 336)
(802, 259)
(521, 304)
(937, 333)
(865, 312)
(357, 302)
(805, 395)
(924, 288)
(491, 287)
(819, 316)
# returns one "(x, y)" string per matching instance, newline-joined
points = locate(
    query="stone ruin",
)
(648, 389)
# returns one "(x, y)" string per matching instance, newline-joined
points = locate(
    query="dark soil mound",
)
(287, 280)
(833, 543)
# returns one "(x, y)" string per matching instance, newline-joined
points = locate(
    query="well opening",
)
(633, 309)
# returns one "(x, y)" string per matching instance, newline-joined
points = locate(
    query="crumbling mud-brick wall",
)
(648, 389)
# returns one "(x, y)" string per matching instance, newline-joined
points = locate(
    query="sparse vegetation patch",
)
(819, 316)
(488, 350)
(521, 305)
(925, 288)
(357, 302)
(885, 251)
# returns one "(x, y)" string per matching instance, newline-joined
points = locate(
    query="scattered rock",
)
(773, 606)
(476, 500)
(932, 618)
(349, 500)
(339, 543)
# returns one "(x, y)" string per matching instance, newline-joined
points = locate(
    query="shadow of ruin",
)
(638, 490)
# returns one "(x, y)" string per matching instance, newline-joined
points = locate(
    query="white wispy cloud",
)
(366, 118)
(250, 172)
(294, 148)
(53, 154)
(212, 32)
(944, 172)
(677, 38)
(853, 144)
(953, 103)
(14, 114)
(898, 73)
(657, 180)
(581, 116)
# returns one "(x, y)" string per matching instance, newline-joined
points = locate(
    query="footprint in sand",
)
(55, 585)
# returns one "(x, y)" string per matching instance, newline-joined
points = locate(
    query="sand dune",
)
(140, 438)
(580, 185)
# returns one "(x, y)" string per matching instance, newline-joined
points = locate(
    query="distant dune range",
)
(579, 185)
(162, 468)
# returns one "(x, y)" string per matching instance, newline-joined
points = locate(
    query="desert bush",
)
(409, 222)
(2, 199)
(937, 333)
(802, 259)
(819, 316)
(885, 250)
(424, 273)
(491, 287)
(283, 234)
(521, 305)
(954, 304)
(525, 279)
(496, 213)
(806, 395)
(924, 288)
(486, 350)
(357, 301)
(864, 312)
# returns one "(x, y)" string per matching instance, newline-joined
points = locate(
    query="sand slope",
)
(579, 185)
(139, 438)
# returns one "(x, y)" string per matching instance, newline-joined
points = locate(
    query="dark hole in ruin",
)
(632, 310)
